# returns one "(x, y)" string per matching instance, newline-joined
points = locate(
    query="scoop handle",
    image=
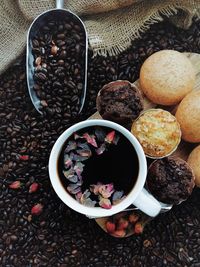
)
(59, 4)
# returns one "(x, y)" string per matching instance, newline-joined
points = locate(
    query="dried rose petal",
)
(122, 224)
(86, 200)
(72, 178)
(79, 158)
(84, 153)
(71, 155)
(37, 209)
(78, 196)
(80, 182)
(101, 149)
(73, 188)
(44, 103)
(70, 146)
(94, 188)
(69, 172)
(89, 202)
(24, 157)
(67, 161)
(117, 197)
(78, 168)
(106, 190)
(33, 188)
(85, 195)
(138, 228)
(76, 136)
(15, 185)
(83, 145)
(119, 233)
(110, 227)
(90, 139)
(105, 203)
(109, 137)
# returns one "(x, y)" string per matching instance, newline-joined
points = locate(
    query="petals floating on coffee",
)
(88, 167)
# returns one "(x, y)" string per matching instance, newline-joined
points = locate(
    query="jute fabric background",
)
(111, 24)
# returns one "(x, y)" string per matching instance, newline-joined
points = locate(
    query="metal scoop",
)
(39, 22)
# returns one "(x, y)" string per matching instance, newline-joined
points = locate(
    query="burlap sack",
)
(111, 24)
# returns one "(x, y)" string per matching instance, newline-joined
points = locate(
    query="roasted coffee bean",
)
(68, 26)
(54, 50)
(35, 43)
(60, 236)
(61, 62)
(63, 54)
(40, 76)
(59, 45)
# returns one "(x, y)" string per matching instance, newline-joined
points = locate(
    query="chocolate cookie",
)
(170, 180)
(119, 101)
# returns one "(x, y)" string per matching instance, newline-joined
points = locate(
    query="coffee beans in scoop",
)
(59, 65)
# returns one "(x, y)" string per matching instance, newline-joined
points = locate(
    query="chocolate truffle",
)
(170, 180)
(119, 101)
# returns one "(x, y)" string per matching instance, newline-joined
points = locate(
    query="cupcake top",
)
(158, 132)
(119, 101)
(170, 180)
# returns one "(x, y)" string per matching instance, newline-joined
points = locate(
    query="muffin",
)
(166, 77)
(170, 180)
(119, 101)
(188, 115)
(194, 162)
(158, 132)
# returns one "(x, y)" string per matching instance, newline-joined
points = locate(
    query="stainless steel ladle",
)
(40, 21)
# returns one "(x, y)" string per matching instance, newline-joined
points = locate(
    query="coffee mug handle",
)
(147, 203)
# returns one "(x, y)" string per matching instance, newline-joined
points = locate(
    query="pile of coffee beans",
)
(54, 235)
(58, 49)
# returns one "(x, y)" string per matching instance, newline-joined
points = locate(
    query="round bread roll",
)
(194, 162)
(188, 116)
(166, 77)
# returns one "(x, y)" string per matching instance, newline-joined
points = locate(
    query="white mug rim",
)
(73, 203)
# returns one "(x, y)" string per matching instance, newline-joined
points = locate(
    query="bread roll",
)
(188, 116)
(166, 77)
(194, 162)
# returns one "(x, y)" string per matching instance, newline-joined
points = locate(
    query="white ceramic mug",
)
(138, 196)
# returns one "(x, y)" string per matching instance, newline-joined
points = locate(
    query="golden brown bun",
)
(194, 162)
(158, 132)
(188, 116)
(166, 77)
